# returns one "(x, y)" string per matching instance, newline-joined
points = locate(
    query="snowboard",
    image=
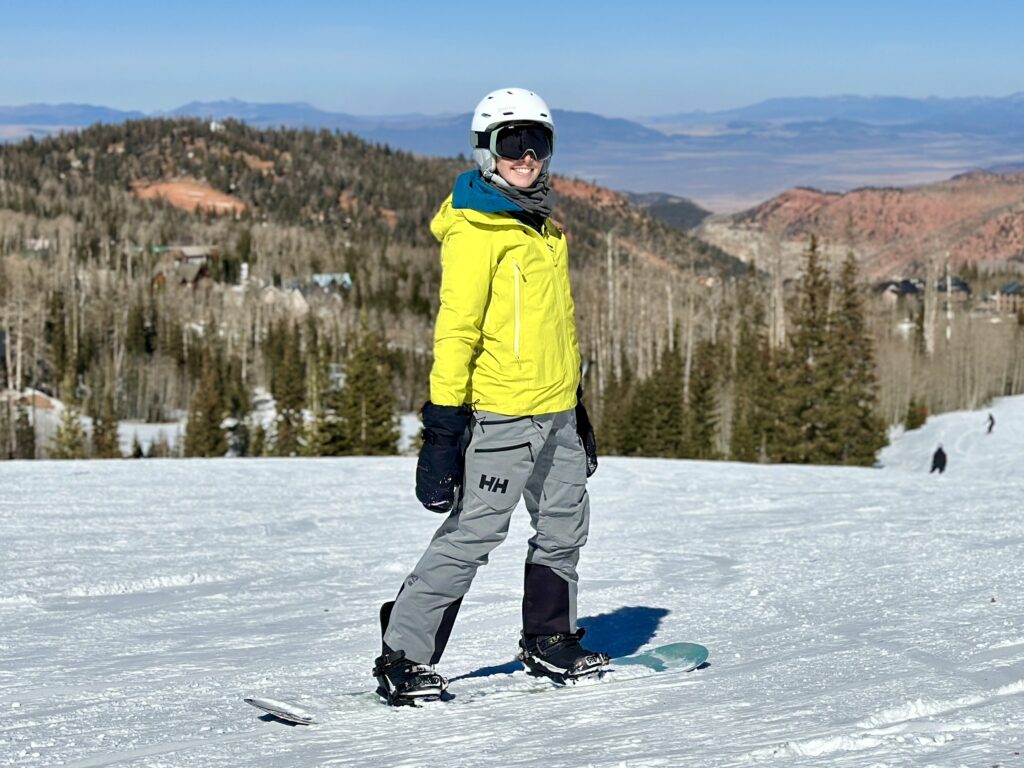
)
(681, 657)
(673, 657)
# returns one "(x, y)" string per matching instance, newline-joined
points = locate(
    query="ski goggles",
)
(514, 140)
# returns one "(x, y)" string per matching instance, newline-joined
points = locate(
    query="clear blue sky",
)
(619, 59)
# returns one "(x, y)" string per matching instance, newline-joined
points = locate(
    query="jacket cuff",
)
(448, 420)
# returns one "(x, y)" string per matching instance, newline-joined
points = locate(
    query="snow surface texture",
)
(856, 617)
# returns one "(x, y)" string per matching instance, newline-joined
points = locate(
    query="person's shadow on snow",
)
(619, 633)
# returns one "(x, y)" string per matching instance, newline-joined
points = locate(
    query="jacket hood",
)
(471, 193)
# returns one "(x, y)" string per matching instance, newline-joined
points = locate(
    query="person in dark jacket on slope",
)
(505, 418)
(938, 461)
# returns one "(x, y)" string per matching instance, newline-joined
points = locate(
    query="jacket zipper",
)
(515, 341)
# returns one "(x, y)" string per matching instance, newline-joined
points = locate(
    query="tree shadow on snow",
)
(619, 633)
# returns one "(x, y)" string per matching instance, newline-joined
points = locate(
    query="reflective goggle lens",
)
(513, 141)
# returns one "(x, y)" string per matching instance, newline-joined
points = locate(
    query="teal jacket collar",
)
(471, 191)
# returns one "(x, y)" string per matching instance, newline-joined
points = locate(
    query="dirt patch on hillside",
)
(588, 193)
(189, 195)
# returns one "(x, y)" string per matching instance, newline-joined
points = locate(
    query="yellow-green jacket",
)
(505, 338)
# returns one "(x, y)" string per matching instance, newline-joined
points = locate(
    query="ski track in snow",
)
(856, 617)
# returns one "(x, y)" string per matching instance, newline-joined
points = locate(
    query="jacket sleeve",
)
(467, 266)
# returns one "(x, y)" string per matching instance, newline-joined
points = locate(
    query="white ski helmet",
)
(505, 105)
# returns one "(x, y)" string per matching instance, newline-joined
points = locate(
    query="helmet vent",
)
(485, 114)
(508, 113)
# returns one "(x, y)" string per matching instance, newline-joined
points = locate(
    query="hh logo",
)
(493, 484)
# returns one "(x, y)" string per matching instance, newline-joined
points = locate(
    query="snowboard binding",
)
(561, 658)
(402, 682)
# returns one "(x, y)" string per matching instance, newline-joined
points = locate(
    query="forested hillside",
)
(102, 299)
(160, 269)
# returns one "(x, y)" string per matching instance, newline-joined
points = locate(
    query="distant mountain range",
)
(724, 160)
(876, 110)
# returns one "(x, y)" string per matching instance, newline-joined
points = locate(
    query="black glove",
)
(441, 461)
(586, 432)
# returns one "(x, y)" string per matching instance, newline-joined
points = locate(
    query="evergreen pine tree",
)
(135, 330)
(331, 430)
(104, 431)
(917, 414)
(8, 441)
(56, 337)
(860, 432)
(258, 444)
(203, 434)
(70, 440)
(24, 435)
(367, 409)
(768, 398)
(805, 400)
(317, 429)
(701, 420)
(237, 400)
(290, 394)
(750, 378)
(616, 433)
(659, 407)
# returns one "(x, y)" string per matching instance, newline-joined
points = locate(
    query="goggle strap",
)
(481, 139)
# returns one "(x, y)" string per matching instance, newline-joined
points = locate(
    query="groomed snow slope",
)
(856, 617)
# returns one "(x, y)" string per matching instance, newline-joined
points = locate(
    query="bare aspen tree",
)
(930, 306)
(688, 349)
(5, 326)
(777, 299)
(668, 310)
(611, 314)
(19, 377)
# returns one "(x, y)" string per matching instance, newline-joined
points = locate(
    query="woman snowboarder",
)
(505, 419)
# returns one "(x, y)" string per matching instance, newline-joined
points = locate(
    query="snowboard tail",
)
(282, 710)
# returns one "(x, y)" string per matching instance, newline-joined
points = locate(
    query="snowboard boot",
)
(402, 682)
(560, 657)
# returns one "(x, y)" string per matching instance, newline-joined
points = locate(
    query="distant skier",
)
(991, 423)
(505, 418)
(938, 460)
